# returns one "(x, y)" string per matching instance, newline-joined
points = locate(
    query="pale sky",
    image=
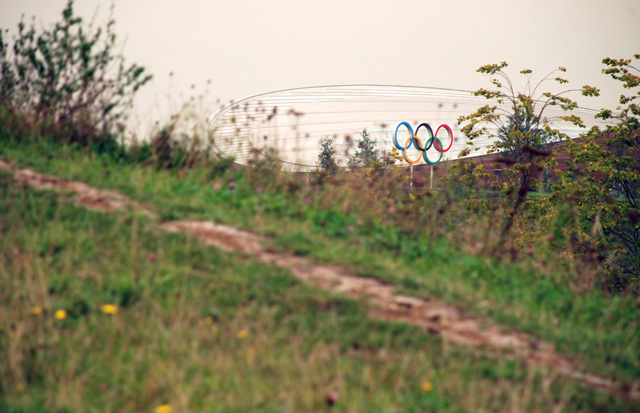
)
(246, 47)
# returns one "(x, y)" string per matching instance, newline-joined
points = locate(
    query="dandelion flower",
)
(109, 309)
(163, 408)
(208, 319)
(19, 387)
(61, 315)
(36, 310)
(242, 334)
(427, 386)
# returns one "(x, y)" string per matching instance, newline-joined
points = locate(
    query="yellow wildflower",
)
(19, 387)
(36, 310)
(109, 309)
(208, 319)
(163, 408)
(242, 334)
(61, 315)
(427, 386)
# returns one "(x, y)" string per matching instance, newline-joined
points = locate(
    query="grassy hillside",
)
(203, 330)
(108, 311)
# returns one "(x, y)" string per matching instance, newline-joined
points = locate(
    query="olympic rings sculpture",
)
(432, 140)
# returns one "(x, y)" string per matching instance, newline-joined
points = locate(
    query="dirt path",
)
(435, 316)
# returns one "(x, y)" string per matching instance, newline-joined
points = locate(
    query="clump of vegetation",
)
(602, 186)
(326, 164)
(67, 82)
(522, 129)
(185, 139)
(366, 151)
(592, 213)
(522, 132)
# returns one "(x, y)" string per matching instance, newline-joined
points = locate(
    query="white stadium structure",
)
(293, 121)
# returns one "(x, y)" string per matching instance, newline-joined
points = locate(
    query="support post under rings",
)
(411, 178)
(431, 177)
(414, 140)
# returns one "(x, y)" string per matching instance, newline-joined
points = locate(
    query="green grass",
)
(600, 333)
(175, 339)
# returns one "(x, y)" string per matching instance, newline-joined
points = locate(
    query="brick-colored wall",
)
(421, 173)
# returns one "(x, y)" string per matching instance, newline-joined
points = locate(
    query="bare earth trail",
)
(430, 314)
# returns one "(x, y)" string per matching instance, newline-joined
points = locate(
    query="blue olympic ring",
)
(433, 140)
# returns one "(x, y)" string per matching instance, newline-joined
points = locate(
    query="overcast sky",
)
(247, 47)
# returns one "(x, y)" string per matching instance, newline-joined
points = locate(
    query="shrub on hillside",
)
(604, 181)
(67, 81)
